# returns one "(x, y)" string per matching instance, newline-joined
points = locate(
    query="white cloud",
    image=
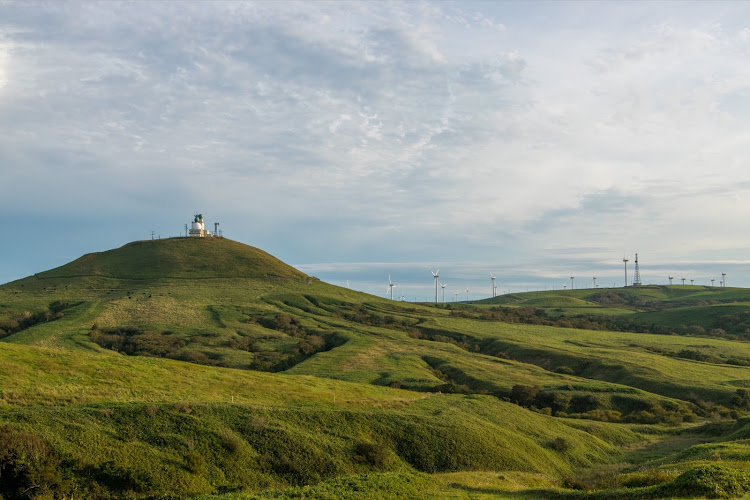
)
(369, 126)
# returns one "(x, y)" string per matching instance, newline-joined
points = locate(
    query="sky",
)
(356, 140)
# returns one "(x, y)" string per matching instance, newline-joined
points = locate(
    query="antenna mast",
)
(637, 277)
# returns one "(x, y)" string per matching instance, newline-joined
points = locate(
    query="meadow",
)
(209, 368)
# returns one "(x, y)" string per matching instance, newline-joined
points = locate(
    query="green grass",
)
(327, 425)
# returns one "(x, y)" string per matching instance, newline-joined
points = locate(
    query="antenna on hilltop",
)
(637, 277)
(435, 275)
(626, 269)
(186, 232)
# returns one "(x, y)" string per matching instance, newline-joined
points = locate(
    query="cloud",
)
(370, 130)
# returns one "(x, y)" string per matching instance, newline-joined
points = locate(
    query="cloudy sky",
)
(534, 140)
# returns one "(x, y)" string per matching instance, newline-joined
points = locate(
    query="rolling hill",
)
(208, 367)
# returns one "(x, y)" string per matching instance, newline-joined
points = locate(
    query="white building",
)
(198, 229)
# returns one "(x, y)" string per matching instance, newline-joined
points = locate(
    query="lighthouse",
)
(198, 229)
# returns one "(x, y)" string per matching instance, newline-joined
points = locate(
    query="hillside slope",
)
(186, 366)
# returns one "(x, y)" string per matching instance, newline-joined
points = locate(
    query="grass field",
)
(206, 367)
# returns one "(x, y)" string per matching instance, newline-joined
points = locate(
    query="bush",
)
(711, 481)
(374, 454)
(524, 395)
(559, 444)
(183, 407)
(28, 468)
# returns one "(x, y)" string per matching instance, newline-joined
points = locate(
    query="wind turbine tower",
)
(670, 279)
(683, 280)
(390, 286)
(637, 277)
(467, 295)
(626, 270)
(494, 288)
(571, 282)
(712, 281)
(724, 279)
(595, 285)
(435, 275)
(443, 285)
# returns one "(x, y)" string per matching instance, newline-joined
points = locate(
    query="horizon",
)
(458, 272)
(533, 140)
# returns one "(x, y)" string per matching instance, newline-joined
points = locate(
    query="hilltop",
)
(205, 366)
(186, 258)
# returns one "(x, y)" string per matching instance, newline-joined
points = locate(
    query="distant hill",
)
(178, 258)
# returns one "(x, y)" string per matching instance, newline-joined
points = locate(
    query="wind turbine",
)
(723, 279)
(443, 285)
(712, 281)
(390, 286)
(683, 280)
(571, 282)
(626, 269)
(455, 296)
(595, 282)
(494, 288)
(670, 279)
(467, 295)
(436, 276)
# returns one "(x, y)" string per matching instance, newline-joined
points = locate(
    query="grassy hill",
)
(208, 367)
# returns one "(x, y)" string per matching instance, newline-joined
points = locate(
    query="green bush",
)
(28, 468)
(711, 481)
(374, 454)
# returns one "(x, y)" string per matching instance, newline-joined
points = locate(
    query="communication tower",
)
(637, 277)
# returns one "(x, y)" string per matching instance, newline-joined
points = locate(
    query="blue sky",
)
(534, 140)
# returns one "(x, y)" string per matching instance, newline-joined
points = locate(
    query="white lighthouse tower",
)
(198, 229)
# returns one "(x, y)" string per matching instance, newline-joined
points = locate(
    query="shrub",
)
(374, 454)
(183, 407)
(559, 444)
(28, 468)
(565, 370)
(711, 481)
(524, 395)
(195, 463)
